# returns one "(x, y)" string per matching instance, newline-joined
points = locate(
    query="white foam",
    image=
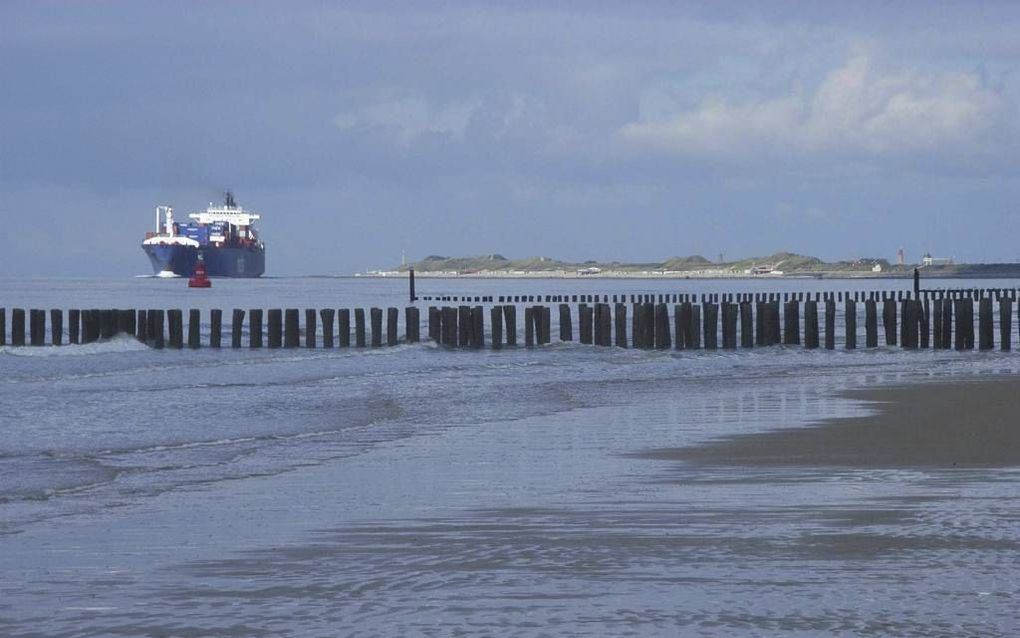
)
(119, 344)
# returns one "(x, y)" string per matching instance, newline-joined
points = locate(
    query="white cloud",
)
(855, 109)
(406, 119)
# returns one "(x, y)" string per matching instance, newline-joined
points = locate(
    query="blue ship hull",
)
(219, 262)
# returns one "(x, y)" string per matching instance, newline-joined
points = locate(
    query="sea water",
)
(422, 491)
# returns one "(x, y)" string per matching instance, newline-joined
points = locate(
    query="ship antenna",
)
(230, 200)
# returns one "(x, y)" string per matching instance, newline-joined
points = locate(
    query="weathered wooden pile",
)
(940, 319)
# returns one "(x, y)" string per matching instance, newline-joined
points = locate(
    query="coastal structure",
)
(940, 319)
(927, 260)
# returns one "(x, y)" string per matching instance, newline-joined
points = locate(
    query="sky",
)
(606, 131)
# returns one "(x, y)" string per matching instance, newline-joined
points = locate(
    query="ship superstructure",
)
(225, 236)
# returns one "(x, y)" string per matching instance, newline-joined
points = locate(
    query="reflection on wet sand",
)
(965, 424)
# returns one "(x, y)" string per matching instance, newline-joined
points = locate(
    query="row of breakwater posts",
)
(940, 319)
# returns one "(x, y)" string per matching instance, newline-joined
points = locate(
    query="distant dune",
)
(779, 264)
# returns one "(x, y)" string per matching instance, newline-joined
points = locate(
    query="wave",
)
(116, 345)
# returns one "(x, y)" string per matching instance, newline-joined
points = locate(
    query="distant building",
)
(928, 260)
(876, 268)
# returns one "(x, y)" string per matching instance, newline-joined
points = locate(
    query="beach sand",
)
(966, 424)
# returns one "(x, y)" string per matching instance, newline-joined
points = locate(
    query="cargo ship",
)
(224, 235)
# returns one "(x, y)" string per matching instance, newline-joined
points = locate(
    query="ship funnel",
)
(230, 200)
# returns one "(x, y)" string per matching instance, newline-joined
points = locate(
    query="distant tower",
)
(899, 257)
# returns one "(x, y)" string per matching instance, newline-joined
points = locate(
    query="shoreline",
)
(963, 423)
(624, 275)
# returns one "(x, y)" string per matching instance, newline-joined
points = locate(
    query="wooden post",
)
(830, 324)
(648, 323)
(274, 322)
(435, 324)
(529, 327)
(597, 324)
(774, 338)
(603, 325)
(1005, 324)
(810, 324)
(73, 327)
(291, 328)
(448, 326)
(311, 327)
(621, 325)
(464, 326)
(947, 324)
(126, 322)
(37, 327)
(412, 324)
(889, 321)
(175, 321)
(392, 318)
(710, 312)
(343, 328)
(695, 326)
(923, 323)
(791, 322)
(3, 327)
(684, 329)
(236, 326)
(215, 327)
(376, 317)
(496, 319)
(912, 322)
(729, 325)
(410, 284)
(746, 324)
(56, 327)
(545, 323)
(906, 317)
(510, 323)
(662, 332)
(156, 332)
(936, 315)
(255, 327)
(985, 329)
(477, 327)
(870, 323)
(584, 324)
(968, 325)
(87, 320)
(95, 325)
(359, 327)
(566, 330)
(850, 323)
(194, 328)
(328, 317)
(760, 323)
(959, 341)
(108, 324)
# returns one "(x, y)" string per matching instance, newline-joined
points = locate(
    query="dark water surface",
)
(417, 491)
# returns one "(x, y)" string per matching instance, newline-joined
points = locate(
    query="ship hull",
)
(219, 262)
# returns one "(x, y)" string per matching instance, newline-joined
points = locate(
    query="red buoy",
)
(200, 279)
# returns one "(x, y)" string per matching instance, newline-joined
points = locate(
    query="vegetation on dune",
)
(783, 261)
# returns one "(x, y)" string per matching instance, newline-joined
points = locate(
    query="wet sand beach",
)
(963, 424)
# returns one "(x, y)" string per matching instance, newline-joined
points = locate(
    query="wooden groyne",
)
(939, 319)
